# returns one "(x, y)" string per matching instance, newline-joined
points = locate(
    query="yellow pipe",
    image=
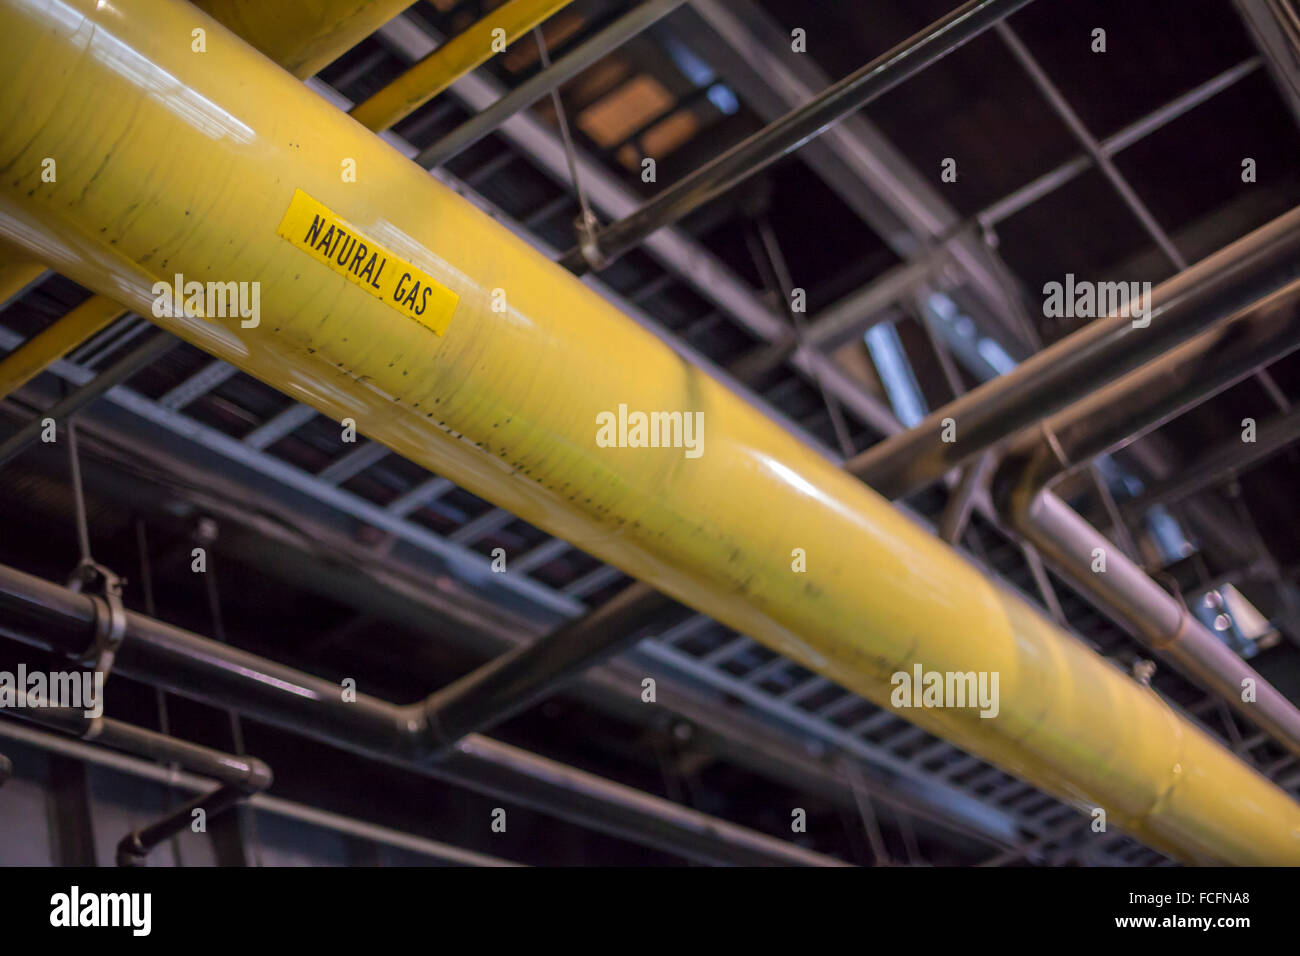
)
(173, 165)
(43, 349)
(445, 65)
(16, 273)
(303, 36)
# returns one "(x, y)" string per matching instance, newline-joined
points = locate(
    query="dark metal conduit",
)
(1232, 279)
(46, 615)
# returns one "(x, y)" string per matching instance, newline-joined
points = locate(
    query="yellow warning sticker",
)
(334, 242)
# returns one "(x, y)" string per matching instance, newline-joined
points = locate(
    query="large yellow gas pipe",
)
(302, 37)
(173, 162)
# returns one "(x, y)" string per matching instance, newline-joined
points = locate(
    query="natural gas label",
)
(334, 242)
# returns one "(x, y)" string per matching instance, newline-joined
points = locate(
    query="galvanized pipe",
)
(506, 402)
(1106, 419)
(1254, 266)
(787, 134)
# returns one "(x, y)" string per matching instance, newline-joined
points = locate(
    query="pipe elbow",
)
(258, 778)
(1022, 473)
(419, 736)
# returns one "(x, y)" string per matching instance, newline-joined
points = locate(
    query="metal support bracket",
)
(105, 591)
(587, 226)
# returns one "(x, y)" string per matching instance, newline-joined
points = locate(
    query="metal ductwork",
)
(171, 163)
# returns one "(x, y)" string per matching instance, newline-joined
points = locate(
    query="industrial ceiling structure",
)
(367, 583)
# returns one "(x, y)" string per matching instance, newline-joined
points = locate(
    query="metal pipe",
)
(787, 134)
(154, 348)
(134, 848)
(531, 90)
(517, 679)
(1104, 420)
(957, 512)
(248, 774)
(52, 343)
(171, 777)
(57, 619)
(1254, 266)
(462, 53)
(713, 531)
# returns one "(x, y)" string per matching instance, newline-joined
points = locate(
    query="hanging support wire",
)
(869, 821)
(587, 223)
(771, 261)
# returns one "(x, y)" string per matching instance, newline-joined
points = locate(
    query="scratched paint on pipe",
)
(184, 163)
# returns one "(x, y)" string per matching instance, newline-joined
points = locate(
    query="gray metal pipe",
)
(517, 679)
(54, 618)
(1104, 420)
(134, 848)
(247, 774)
(1232, 279)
